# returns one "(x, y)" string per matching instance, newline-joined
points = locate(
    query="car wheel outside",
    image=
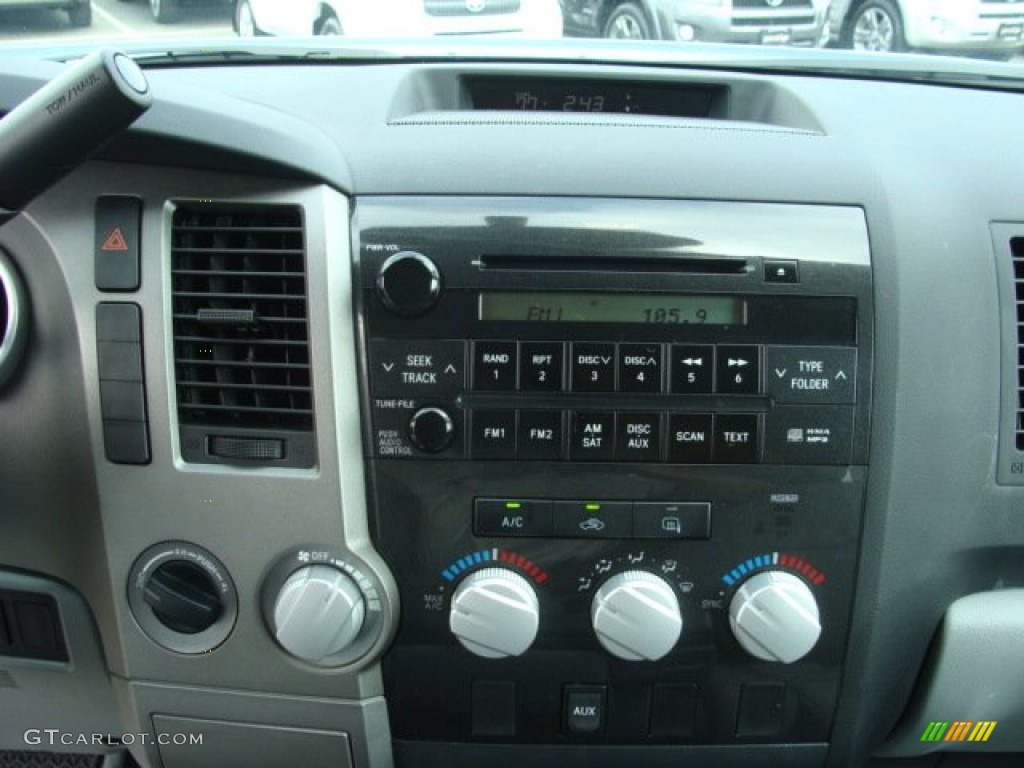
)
(80, 15)
(245, 21)
(876, 26)
(164, 11)
(627, 22)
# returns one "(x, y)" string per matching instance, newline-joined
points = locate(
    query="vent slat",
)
(1017, 251)
(244, 364)
(254, 372)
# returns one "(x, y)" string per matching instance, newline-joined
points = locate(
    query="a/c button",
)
(512, 517)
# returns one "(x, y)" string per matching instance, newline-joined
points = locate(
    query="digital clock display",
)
(605, 96)
(648, 308)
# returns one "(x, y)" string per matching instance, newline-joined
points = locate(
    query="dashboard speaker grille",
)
(241, 331)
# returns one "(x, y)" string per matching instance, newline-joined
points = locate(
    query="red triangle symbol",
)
(115, 241)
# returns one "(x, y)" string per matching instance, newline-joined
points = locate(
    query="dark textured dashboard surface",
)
(932, 168)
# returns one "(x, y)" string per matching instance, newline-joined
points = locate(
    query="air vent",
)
(241, 335)
(13, 319)
(1017, 256)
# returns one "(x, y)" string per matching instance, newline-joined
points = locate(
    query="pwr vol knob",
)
(495, 613)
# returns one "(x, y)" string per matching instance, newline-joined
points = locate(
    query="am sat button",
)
(512, 517)
(671, 520)
(593, 437)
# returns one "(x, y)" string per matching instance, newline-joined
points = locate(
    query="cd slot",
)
(690, 265)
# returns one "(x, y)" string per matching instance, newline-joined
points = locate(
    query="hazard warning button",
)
(118, 229)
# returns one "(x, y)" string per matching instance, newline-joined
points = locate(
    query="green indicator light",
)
(593, 507)
(512, 505)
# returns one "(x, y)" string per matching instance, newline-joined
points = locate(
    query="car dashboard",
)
(547, 408)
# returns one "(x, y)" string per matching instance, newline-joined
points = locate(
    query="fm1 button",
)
(493, 435)
(584, 708)
(512, 517)
(736, 439)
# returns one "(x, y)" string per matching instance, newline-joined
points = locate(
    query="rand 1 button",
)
(690, 438)
(493, 435)
(540, 366)
(808, 434)
(540, 435)
(692, 369)
(640, 367)
(593, 367)
(825, 375)
(593, 519)
(738, 369)
(511, 517)
(638, 437)
(592, 437)
(736, 439)
(494, 365)
(417, 368)
(671, 520)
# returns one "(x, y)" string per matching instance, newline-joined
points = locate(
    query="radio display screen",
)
(649, 308)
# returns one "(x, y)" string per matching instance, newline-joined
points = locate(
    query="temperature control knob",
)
(636, 616)
(774, 616)
(495, 613)
(408, 283)
(318, 612)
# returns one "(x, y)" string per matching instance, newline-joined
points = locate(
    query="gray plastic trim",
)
(15, 336)
(975, 674)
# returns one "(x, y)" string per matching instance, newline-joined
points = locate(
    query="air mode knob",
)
(636, 616)
(318, 612)
(408, 283)
(495, 613)
(774, 616)
(183, 597)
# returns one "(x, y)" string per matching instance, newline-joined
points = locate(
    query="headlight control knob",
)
(318, 612)
(408, 283)
(495, 613)
(774, 616)
(636, 616)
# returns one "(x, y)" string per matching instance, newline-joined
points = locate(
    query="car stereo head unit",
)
(617, 451)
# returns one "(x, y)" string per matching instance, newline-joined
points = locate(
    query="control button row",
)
(610, 436)
(122, 383)
(608, 367)
(672, 710)
(591, 519)
(417, 368)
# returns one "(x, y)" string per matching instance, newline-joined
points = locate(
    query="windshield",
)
(949, 37)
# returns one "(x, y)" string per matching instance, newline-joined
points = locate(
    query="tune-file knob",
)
(774, 616)
(636, 616)
(495, 613)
